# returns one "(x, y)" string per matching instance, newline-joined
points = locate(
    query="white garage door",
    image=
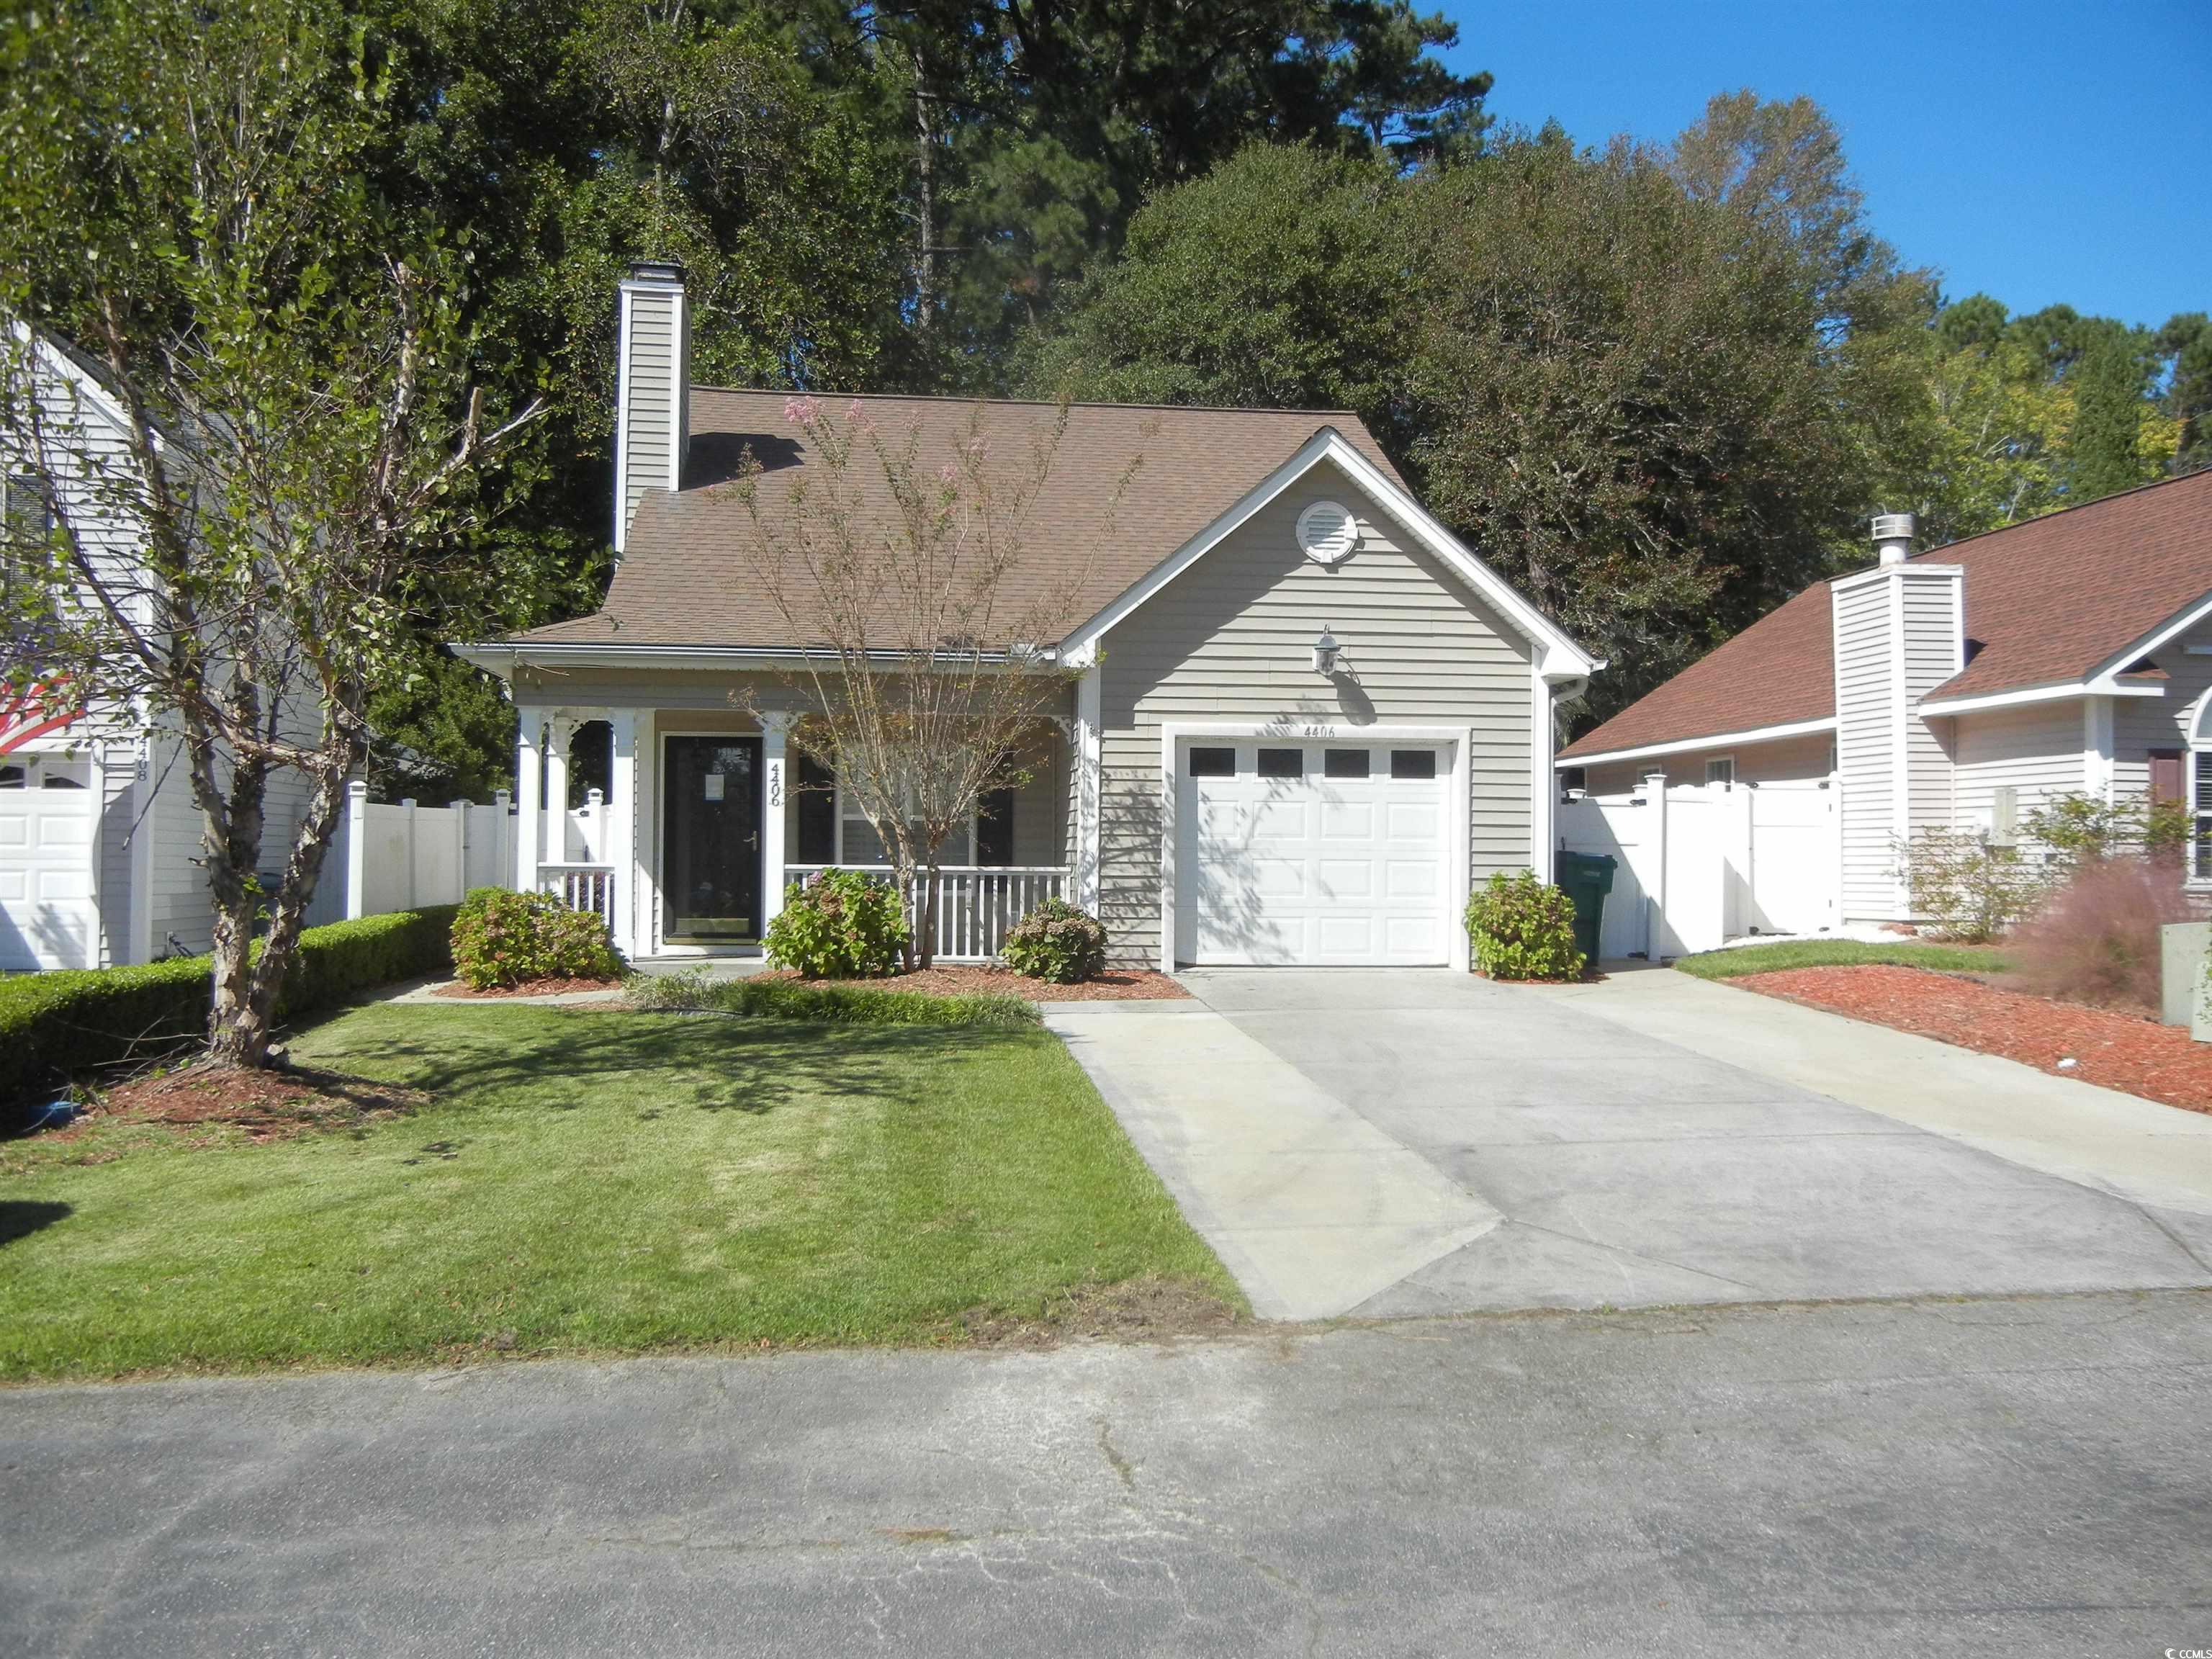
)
(46, 917)
(1312, 853)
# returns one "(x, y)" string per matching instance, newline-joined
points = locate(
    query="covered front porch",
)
(684, 828)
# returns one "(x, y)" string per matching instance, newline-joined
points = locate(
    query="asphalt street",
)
(2002, 1476)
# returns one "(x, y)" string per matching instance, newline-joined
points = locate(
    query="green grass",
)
(1841, 953)
(589, 1181)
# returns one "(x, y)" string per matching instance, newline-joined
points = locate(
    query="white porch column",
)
(618, 828)
(2097, 748)
(1087, 758)
(529, 814)
(560, 729)
(775, 732)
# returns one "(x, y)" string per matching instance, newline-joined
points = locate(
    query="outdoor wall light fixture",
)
(1326, 652)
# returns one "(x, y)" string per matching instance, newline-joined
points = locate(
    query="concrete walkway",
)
(1311, 1206)
(1628, 1168)
(2137, 1148)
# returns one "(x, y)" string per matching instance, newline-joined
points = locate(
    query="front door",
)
(711, 839)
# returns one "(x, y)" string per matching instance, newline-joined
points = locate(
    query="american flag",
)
(33, 710)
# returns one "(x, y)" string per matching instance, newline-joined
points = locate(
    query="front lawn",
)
(1785, 954)
(595, 1181)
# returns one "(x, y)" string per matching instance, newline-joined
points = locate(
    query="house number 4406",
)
(776, 783)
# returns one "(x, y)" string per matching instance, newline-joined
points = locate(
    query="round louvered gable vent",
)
(1327, 532)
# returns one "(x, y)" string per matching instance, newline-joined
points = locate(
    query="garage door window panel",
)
(1282, 763)
(1348, 762)
(1412, 763)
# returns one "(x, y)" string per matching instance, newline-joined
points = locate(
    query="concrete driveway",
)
(1392, 1143)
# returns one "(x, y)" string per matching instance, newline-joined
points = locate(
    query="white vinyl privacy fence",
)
(399, 856)
(1699, 865)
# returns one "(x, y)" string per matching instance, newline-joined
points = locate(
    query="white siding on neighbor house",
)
(2143, 724)
(1780, 760)
(2034, 749)
(1866, 739)
(653, 379)
(1231, 639)
(120, 796)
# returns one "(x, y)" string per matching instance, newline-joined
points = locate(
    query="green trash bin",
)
(1587, 877)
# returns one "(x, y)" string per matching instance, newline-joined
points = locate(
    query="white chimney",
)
(652, 385)
(1892, 537)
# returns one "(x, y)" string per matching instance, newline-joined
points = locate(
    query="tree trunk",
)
(933, 882)
(925, 145)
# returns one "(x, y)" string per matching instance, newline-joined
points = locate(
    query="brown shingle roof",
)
(1779, 671)
(685, 579)
(2048, 602)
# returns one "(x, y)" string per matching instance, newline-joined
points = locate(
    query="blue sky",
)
(2039, 151)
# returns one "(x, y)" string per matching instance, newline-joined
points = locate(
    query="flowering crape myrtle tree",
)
(190, 249)
(923, 666)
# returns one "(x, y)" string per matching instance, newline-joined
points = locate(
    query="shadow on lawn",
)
(730, 1064)
(20, 1218)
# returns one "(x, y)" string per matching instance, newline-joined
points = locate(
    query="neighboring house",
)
(99, 836)
(1207, 792)
(1958, 689)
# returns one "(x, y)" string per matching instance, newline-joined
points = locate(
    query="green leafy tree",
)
(305, 446)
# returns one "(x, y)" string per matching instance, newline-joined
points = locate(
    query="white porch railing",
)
(975, 905)
(587, 887)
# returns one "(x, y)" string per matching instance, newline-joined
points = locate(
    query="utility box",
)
(2182, 947)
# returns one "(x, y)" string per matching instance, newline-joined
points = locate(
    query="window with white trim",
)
(1720, 769)
(2200, 789)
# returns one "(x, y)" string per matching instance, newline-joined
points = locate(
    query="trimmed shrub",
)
(502, 939)
(1524, 928)
(2096, 940)
(691, 991)
(1058, 942)
(842, 925)
(59, 1026)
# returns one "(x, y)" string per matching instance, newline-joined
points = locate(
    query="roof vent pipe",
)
(1892, 537)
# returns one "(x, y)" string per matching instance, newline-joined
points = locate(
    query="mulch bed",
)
(269, 1105)
(2111, 1048)
(529, 988)
(1141, 985)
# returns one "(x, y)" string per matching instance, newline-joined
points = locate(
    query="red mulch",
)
(1142, 985)
(269, 1105)
(2111, 1048)
(529, 988)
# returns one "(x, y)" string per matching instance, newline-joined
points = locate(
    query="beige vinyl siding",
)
(1932, 655)
(651, 412)
(1780, 760)
(1231, 639)
(2035, 748)
(1866, 735)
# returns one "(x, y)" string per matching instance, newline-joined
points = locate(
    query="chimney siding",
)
(1900, 634)
(652, 418)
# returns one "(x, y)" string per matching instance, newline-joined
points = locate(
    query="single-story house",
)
(1957, 687)
(1213, 789)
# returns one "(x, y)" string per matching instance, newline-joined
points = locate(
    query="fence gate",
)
(1699, 865)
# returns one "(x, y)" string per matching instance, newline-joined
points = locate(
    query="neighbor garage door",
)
(1312, 853)
(47, 913)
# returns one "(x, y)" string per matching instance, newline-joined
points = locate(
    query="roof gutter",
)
(2102, 686)
(505, 658)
